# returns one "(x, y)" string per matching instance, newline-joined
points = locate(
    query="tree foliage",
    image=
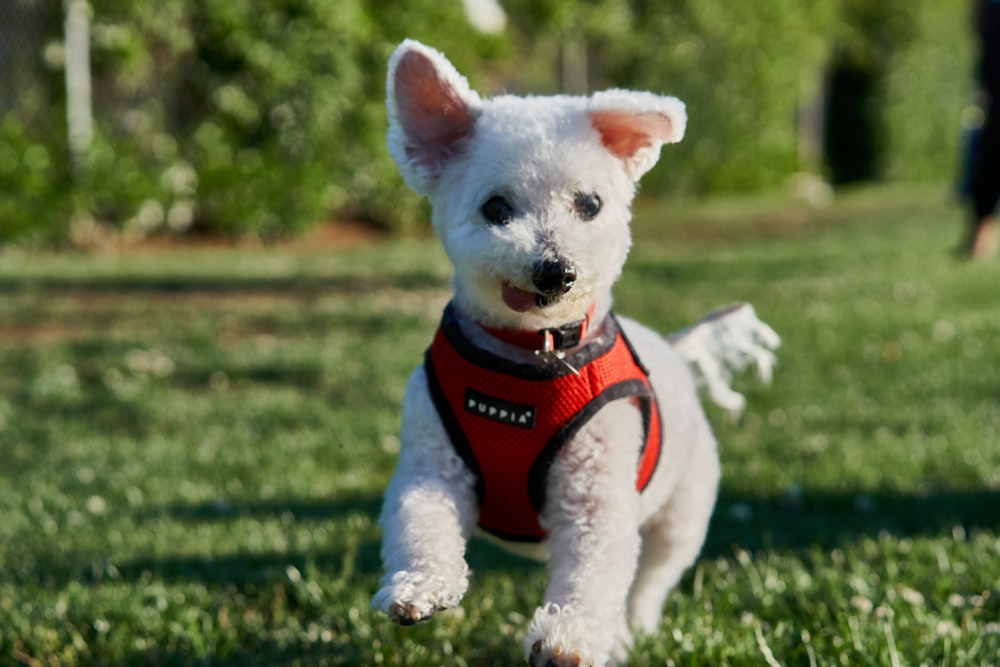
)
(265, 116)
(756, 80)
(258, 116)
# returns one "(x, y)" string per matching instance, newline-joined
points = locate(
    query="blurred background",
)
(127, 118)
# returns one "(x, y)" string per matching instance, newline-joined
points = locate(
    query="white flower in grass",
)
(947, 629)
(942, 331)
(150, 362)
(913, 596)
(862, 604)
(96, 505)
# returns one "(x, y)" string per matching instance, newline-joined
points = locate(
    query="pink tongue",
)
(518, 299)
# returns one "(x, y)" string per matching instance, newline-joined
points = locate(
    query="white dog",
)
(538, 416)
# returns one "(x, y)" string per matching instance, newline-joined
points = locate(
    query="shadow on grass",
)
(797, 521)
(356, 555)
(240, 568)
(340, 558)
(344, 649)
(789, 522)
(78, 390)
(278, 285)
(786, 523)
(251, 654)
(299, 510)
(247, 571)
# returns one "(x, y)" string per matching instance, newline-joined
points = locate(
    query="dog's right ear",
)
(432, 112)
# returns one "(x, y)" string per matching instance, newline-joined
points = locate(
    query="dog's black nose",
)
(553, 278)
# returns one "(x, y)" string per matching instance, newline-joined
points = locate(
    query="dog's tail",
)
(728, 339)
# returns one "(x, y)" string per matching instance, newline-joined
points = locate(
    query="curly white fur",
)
(728, 339)
(614, 553)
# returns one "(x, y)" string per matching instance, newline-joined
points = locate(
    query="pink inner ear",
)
(624, 133)
(433, 115)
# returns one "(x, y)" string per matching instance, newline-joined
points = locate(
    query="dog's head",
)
(531, 195)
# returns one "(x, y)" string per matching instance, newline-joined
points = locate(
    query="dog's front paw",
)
(559, 637)
(548, 656)
(412, 597)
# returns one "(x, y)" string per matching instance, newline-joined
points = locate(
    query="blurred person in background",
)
(984, 185)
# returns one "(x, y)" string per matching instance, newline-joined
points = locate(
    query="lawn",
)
(193, 445)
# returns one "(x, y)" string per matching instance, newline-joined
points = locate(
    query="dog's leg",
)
(672, 538)
(592, 515)
(423, 552)
(427, 516)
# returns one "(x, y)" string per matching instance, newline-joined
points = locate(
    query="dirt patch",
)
(338, 235)
(327, 235)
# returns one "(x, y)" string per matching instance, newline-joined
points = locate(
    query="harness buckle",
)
(564, 337)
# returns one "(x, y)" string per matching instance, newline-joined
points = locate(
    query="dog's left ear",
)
(633, 125)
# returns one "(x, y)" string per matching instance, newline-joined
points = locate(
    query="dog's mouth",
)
(521, 300)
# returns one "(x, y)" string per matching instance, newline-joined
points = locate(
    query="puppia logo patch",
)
(498, 410)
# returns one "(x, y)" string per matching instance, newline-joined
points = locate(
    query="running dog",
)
(539, 417)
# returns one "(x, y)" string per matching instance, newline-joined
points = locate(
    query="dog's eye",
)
(587, 205)
(497, 210)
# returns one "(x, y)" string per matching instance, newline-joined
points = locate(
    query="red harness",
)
(507, 421)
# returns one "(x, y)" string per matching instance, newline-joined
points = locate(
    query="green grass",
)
(193, 447)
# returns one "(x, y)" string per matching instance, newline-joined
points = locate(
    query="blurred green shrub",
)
(745, 70)
(254, 117)
(756, 80)
(928, 81)
(34, 185)
(265, 116)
